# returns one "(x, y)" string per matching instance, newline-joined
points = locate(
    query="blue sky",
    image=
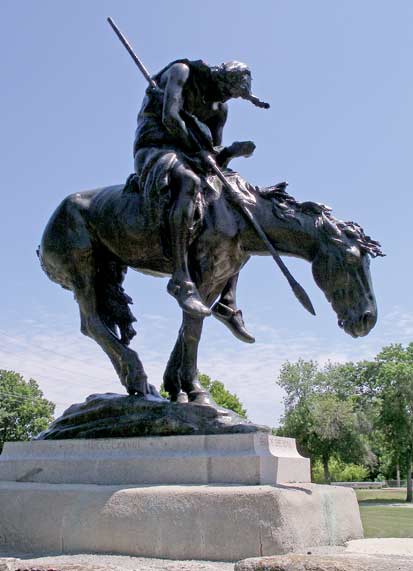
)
(339, 78)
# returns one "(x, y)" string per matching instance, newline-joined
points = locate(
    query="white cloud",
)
(69, 366)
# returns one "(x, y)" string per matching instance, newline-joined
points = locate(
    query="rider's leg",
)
(229, 293)
(185, 186)
(226, 311)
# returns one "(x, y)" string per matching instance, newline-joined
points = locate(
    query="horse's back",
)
(68, 222)
(111, 220)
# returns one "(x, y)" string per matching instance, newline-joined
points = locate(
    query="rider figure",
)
(191, 96)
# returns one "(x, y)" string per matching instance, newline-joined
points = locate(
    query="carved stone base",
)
(109, 495)
(256, 458)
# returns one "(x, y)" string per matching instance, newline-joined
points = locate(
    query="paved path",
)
(392, 546)
(392, 554)
(367, 504)
(108, 563)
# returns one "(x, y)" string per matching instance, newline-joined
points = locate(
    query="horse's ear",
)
(351, 232)
(273, 191)
(312, 207)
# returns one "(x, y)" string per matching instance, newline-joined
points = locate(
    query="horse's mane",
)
(285, 206)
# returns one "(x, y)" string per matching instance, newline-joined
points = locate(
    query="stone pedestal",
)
(248, 459)
(241, 495)
(220, 523)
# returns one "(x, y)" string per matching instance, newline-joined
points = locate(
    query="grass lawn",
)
(383, 496)
(385, 520)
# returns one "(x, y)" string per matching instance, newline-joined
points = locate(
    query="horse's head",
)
(341, 268)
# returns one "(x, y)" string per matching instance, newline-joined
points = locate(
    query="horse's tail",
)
(113, 302)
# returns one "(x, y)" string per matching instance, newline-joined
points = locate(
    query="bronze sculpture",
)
(93, 237)
(167, 157)
(175, 217)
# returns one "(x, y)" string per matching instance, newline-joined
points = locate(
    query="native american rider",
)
(191, 99)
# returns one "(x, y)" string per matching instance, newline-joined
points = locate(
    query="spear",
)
(298, 290)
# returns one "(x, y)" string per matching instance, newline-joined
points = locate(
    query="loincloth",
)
(153, 167)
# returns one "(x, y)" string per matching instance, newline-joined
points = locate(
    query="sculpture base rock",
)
(116, 416)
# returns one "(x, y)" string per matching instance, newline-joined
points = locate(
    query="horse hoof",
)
(139, 386)
(199, 397)
(180, 398)
(137, 394)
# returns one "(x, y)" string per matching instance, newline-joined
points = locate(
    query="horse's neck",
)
(295, 235)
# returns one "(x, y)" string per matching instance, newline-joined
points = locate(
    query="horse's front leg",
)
(171, 380)
(180, 378)
(188, 371)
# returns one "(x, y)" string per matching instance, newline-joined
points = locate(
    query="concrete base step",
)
(256, 458)
(217, 523)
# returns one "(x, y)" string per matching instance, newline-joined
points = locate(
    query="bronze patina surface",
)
(176, 217)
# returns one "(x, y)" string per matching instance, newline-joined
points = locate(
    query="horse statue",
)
(94, 236)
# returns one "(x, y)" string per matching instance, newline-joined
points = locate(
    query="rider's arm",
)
(216, 124)
(177, 76)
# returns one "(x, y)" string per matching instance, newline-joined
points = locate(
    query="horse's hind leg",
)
(69, 257)
(171, 380)
(125, 361)
(181, 372)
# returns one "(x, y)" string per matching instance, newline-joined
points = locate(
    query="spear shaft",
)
(298, 290)
(135, 58)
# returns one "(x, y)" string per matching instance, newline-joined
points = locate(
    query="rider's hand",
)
(205, 157)
(242, 148)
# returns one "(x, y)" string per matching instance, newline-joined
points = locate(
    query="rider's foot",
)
(233, 320)
(188, 298)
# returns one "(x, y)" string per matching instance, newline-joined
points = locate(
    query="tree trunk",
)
(327, 477)
(4, 435)
(409, 496)
(398, 475)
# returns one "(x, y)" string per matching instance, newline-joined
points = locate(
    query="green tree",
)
(24, 412)
(322, 412)
(221, 395)
(340, 471)
(394, 389)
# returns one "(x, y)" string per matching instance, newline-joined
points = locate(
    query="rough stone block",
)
(215, 523)
(293, 562)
